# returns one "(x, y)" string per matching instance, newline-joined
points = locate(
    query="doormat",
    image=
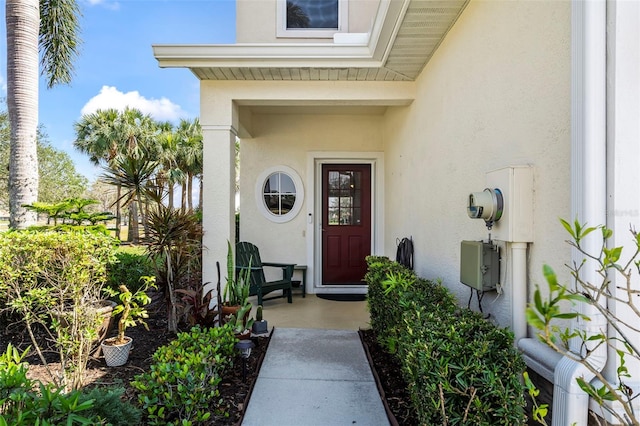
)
(343, 297)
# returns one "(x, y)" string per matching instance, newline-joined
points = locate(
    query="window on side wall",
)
(311, 18)
(279, 194)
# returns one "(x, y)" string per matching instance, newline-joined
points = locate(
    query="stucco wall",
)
(496, 93)
(256, 21)
(285, 139)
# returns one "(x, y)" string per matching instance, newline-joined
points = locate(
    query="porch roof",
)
(404, 36)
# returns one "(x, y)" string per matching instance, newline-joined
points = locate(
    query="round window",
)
(279, 194)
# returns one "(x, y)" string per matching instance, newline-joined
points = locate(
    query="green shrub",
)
(21, 405)
(127, 268)
(460, 366)
(391, 288)
(109, 406)
(182, 384)
(99, 229)
(456, 364)
(54, 280)
(384, 305)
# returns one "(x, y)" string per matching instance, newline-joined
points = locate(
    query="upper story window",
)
(311, 18)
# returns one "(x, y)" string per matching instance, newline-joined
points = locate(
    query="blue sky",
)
(116, 66)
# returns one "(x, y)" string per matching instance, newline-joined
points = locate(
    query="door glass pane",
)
(344, 198)
(334, 216)
(346, 180)
(334, 181)
(345, 202)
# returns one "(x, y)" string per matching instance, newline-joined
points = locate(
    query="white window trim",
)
(259, 194)
(283, 32)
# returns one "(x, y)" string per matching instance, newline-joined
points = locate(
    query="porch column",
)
(218, 210)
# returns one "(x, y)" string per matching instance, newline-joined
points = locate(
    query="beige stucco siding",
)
(496, 93)
(285, 139)
(256, 21)
(327, 116)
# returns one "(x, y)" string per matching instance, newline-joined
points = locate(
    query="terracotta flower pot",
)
(245, 335)
(227, 311)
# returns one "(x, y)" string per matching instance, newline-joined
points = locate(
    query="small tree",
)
(54, 281)
(132, 307)
(544, 314)
(175, 247)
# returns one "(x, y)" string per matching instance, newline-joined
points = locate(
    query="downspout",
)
(588, 193)
(519, 294)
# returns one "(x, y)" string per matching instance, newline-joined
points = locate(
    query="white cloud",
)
(110, 97)
(3, 85)
(107, 4)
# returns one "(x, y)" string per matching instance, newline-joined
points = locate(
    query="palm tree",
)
(96, 135)
(189, 156)
(166, 151)
(138, 132)
(50, 26)
(135, 175)
(108, 134)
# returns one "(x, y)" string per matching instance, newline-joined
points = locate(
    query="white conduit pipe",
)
(519, 292)
(588, 192)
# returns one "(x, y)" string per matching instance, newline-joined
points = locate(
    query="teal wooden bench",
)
(248, 257)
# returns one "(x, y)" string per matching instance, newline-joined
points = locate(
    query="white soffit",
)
(404, 36)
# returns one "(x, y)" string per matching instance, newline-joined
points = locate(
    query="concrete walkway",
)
(315, 377)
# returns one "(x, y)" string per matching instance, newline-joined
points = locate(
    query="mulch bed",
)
(234, 390)
(391, 385)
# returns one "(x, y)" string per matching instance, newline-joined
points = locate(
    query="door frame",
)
(315, 160)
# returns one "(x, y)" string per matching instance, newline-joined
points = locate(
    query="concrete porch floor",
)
(314, 312)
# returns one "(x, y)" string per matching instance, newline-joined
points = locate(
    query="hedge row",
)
(460, 368)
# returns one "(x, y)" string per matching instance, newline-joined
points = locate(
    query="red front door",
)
(346, 222)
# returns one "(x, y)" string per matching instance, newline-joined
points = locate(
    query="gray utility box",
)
(479, 265)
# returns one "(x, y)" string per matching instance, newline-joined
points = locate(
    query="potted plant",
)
(240, 322)
(197, 306)
(260, 325)
(236, 292)
(131, 307)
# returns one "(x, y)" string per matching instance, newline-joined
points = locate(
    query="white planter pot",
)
(116, 355)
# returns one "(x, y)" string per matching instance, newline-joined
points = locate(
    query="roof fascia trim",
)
(384, 30)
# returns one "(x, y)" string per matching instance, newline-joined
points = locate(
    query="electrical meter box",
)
(479, 265)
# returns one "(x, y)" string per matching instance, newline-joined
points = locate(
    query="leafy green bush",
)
(54, 281)
(109, 406)
(460, 369)
(20, 404)
(182, 384)
(127, 268)
(384, 305)
(391, 288)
